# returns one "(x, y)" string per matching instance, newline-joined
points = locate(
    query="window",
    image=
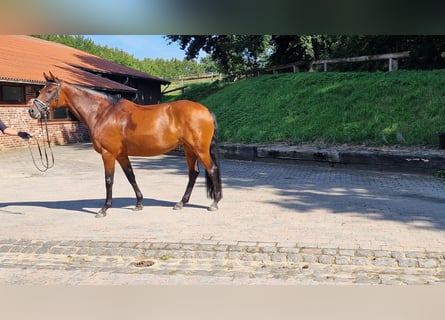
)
(62, 113)
(59, 114)
(12, 94)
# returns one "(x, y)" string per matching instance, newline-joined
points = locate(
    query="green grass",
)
(405, 108)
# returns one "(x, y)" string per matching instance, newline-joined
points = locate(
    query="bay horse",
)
(120, 128)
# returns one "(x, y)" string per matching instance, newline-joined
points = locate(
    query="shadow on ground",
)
(408, 198)
(86, 206)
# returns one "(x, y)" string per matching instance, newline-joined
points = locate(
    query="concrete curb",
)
(428, 161)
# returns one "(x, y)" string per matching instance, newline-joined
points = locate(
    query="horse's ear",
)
(53, 78)
(47, 78)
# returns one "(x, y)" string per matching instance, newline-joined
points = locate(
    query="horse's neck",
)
(84, 104)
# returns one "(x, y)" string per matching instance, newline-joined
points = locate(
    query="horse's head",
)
(48, 96)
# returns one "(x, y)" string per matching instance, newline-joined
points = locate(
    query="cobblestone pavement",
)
(277, 224)
(209, 262)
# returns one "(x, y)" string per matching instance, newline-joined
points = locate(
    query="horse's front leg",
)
(109, 165)
(128, 170)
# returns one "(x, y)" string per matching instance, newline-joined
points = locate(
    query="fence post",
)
(393, 64)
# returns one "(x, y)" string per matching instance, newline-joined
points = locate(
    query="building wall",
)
(149, 92)
(17, 117)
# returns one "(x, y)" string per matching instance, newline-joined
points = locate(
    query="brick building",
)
(23, 59)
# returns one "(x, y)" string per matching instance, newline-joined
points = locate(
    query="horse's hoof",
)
(212, 208)
(101, 214)
(178, 206)
(138, 208)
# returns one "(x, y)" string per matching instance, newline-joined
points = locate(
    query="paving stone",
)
(277, 257)
(427, 263)
(360, 261)
(309, 258)
(44, 249)
(17, 248)
(234, 255)
(252, 249)
(80, 251)
(382, 253)
(325, 259)
(415, 254)
(289, 250)
(314, 251)
(269, 249)
(147, 245)
(221, 247)
(382, 262)
(331, 252)
(435, 255)
(346, 252)
(342, 260)
(294, 258)
(5, 248)
(408, 263)
(114, 244)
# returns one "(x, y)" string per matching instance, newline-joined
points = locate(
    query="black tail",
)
(213, 181)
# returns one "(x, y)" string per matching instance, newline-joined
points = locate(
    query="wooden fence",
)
(212, 76)
(297, 67)
(182, 80)
(391, 57)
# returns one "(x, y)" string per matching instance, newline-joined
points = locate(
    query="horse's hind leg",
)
(213, 178)
(192, 164)
(128, 170)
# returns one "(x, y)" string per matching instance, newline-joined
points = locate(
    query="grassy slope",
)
(397, 108)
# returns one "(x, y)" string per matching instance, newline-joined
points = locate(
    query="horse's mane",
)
(113, 99)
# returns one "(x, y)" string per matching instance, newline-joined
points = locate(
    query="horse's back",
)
(191, 111)
(188, 105)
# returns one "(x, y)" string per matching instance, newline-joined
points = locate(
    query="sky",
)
(141, 46)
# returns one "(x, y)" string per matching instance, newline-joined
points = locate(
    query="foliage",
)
(236, 54)
(288, 49)
(426, 51)
(397, 108)
(233, 54)
(166, 69)
(440, 174)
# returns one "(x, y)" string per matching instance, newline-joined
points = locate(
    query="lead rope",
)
(46, 162)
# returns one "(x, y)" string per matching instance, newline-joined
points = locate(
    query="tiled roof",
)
(25, 58)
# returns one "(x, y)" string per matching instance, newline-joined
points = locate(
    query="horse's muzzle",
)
(34, 113)
(38, 110)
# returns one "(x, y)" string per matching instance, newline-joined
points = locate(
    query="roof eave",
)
(132, 90)
(21, 81)
(150, 78)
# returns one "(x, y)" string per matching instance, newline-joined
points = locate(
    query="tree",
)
(208, 64)
(425, 51)
(306, 48)
(233, 54)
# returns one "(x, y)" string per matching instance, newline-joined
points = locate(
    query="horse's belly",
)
(149, 149)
